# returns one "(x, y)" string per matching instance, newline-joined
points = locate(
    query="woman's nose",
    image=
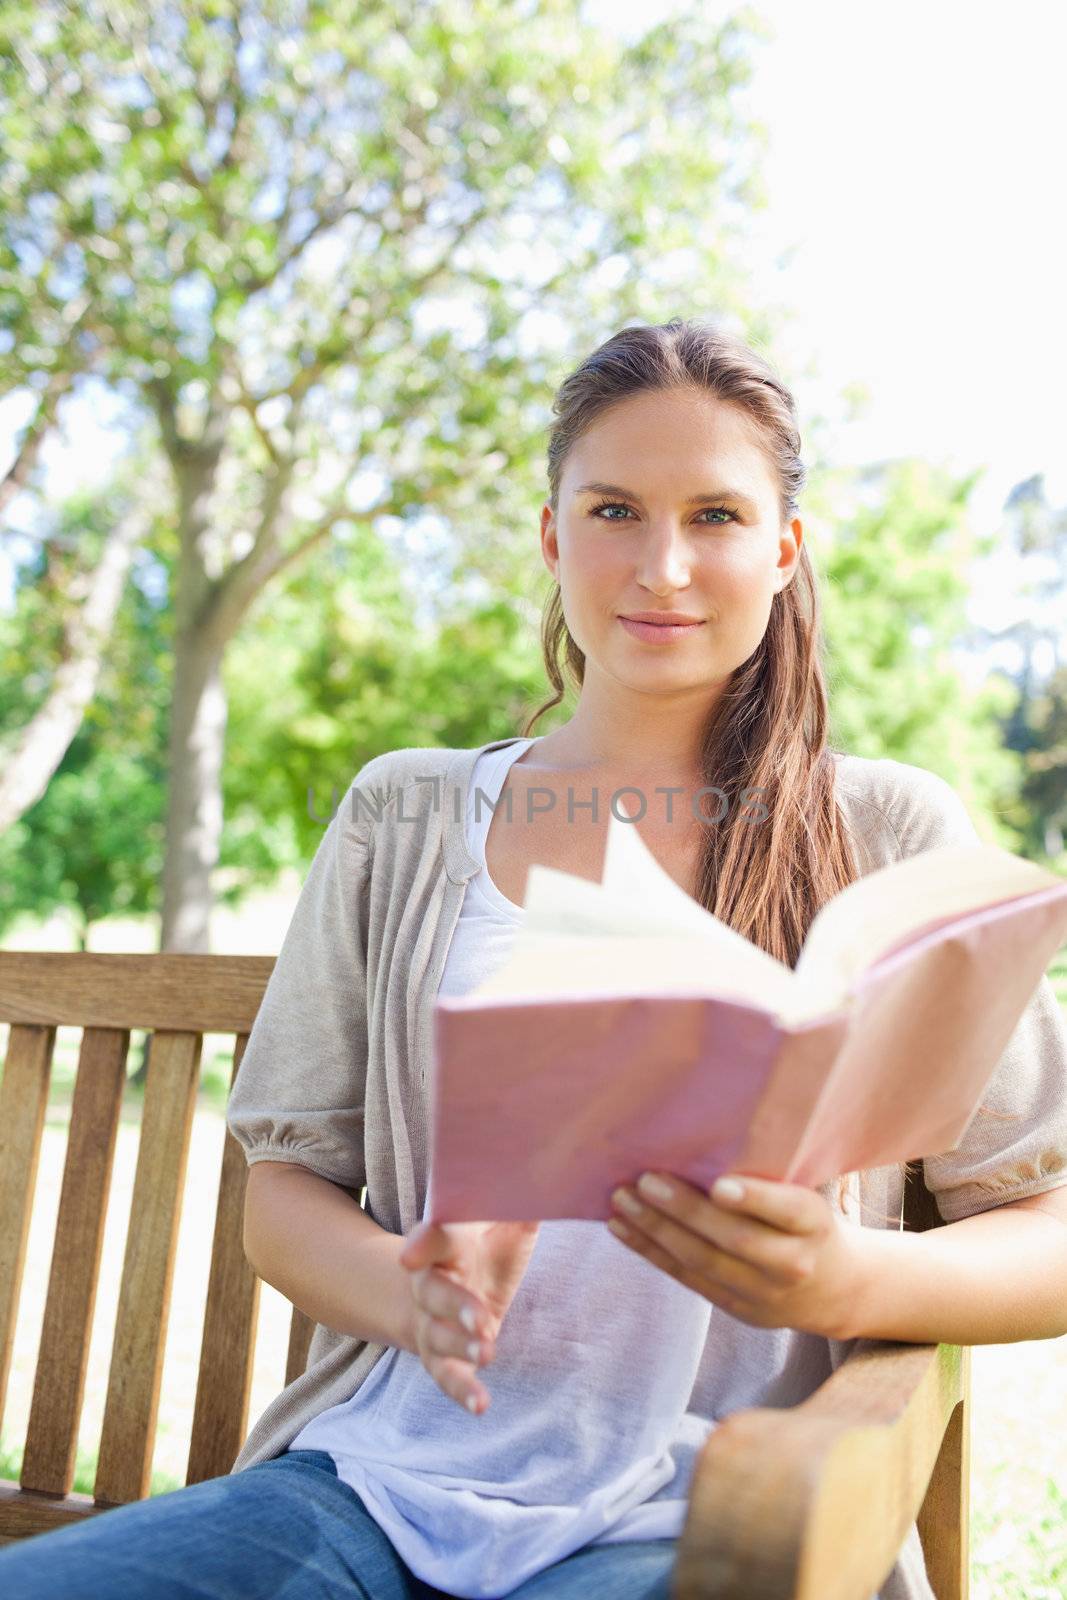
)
(664, 559)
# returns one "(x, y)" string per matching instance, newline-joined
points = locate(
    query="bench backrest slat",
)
(63, 1354)
(23, 1102)
(175, 999)
(224, 1380)
(128, 1435)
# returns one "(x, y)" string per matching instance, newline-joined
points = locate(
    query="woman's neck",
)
(577, 755)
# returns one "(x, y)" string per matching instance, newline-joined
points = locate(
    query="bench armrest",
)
(813, 1501)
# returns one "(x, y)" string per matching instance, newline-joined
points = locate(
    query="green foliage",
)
(93, 842)
(1032, 554)
(335, 670)
(896, 576)
(373, 236)
(1035, 1565)
(1043, 798)
(362, 238)
(1057, 974)
(395, 224)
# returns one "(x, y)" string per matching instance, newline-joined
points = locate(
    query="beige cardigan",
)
(335, 1072)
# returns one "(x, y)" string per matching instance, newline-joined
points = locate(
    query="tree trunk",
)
(194, 803)
(194, 799)
(208, 609)
(94, 599)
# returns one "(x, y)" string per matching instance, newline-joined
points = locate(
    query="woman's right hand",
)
(463, 1276)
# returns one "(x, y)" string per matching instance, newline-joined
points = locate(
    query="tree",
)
(83, 604)
(320, 247)
(896, 576)
(1034, 723)
(1045, 784)
(92, 843)
(333, 673)
(336, 672)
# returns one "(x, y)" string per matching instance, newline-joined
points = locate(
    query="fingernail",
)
(468, 1318)
(474, 1350)
(727, 1189)
(472, 1402)
(654, 1187)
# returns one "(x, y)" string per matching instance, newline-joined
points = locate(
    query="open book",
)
(632, 1029)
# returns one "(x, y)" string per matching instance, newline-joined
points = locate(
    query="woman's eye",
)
(617, 505)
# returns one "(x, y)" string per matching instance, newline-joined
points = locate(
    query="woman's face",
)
(640, 545)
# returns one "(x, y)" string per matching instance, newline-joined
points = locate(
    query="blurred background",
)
(285, 292)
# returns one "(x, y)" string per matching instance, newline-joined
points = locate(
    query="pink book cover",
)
(543, 1103)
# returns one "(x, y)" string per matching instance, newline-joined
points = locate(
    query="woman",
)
(516, 1409)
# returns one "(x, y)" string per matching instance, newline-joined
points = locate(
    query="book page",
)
(636, 898)
(549, 967)
(882, 908)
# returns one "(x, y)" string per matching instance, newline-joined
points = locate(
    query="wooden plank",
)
(24, 1513)
(132, 1405)
(301, 1330)
(23, 1100)
(945, 1516)
(878, 1477)
(813, 1501)
(159, 992)
(63, 1355)
(227, 1351)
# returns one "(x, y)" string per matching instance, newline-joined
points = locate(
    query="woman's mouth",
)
(659, 632)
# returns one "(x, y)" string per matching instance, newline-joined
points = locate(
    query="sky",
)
(915, 159)
(912, 228)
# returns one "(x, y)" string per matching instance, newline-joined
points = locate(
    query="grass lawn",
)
(1019, 1424)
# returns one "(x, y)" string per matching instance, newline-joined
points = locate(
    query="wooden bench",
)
(809, 1502)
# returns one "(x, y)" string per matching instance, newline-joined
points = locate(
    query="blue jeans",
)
(286, 1529)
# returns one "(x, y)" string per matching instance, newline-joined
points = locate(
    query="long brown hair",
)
(768, 730)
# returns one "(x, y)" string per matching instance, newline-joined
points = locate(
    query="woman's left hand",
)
(779, 1257)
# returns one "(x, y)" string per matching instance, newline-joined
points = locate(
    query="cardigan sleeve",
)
(300, 1086)
(1016, 1143)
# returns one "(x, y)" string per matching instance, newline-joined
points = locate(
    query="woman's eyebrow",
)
(694, 500)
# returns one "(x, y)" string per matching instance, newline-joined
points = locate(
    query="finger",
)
(427, 1243)
(747, 1227)
(456, 1379)
(744, 1237)
(790, 1207)
(449, 1339)
(442, 1297)
(758, 1256)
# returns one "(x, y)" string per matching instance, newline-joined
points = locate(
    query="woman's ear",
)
(789, 546)
(549, 542)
